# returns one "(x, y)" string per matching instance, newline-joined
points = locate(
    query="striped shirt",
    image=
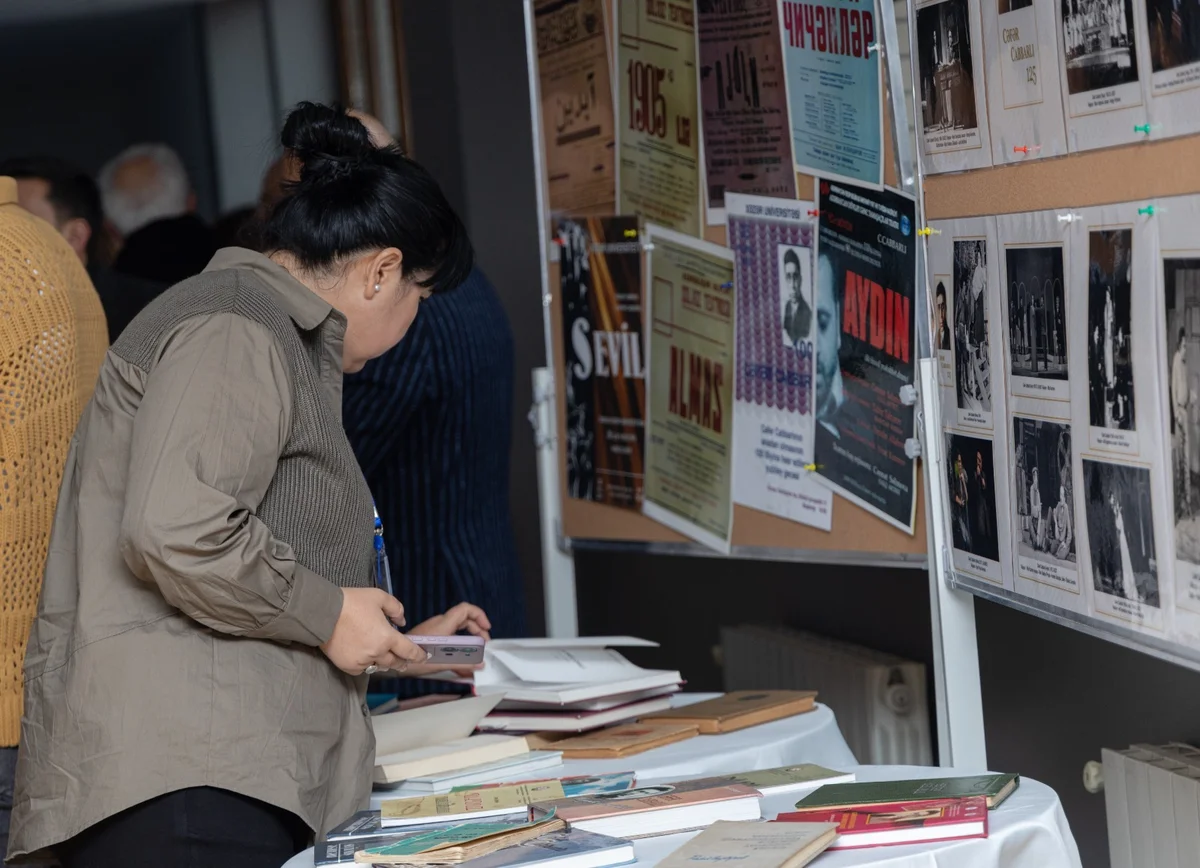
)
(430, 422)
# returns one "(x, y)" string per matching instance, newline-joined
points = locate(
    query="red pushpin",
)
(1026, 149)
(812, 212)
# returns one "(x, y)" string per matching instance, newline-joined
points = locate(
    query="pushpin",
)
(1026, 149)
(1148, 211)
(813, 212)
(1142, 128)
(811, 467)
(927, 231)
(559, 241)
(1067, 218)
(727, 285)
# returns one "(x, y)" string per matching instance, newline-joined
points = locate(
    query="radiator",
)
(1152, 805)
(880, 700)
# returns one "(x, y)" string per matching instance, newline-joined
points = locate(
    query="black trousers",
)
(194, 828)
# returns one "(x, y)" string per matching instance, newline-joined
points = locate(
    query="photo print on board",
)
(1181, 294)
(973, 369)
(969, 469)
(795, 295)
(943, 340)
(1099, 53)
(949, 116)
(1044, 499)
(1037, 321)
(1120, 526)
(1174, 27)
(1109, 347)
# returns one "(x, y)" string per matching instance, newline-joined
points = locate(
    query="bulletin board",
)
(856, 536)
(1088, 179)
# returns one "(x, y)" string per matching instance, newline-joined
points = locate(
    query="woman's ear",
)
(387, 268)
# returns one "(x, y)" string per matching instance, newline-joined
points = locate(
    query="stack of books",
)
(568, 685)
(873, 814)
(431, 748)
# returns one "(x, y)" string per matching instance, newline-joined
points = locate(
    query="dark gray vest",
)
(318, 502)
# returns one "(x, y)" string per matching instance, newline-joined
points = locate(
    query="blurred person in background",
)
(196, 675)
(430, 423)
(68, 199)
(52, 342)
(149, 200)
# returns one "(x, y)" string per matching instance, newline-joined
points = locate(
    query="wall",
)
(84, 92)
(471, 127)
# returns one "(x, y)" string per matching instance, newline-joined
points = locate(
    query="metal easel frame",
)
(956, 668)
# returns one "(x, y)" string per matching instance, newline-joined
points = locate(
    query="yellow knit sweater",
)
(52, 340)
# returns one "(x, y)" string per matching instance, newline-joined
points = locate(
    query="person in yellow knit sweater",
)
(53, 338)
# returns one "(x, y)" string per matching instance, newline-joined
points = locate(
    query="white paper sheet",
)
(1024, 88)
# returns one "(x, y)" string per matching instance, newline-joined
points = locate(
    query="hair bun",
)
(325, 138)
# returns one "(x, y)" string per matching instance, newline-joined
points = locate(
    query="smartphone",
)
(451, 650)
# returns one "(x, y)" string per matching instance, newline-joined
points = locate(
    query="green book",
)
(996, 788)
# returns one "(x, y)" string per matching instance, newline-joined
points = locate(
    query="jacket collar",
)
(307, 309)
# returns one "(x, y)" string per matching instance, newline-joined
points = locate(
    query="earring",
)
(377, 287)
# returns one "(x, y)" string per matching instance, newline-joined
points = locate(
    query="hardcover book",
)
(569, 848)
(655, 810)
(457, 844)
(580, 785)
(786, 779)
(739, 709)
(754, 845)
(468, 804)
(900, 822)
(995, 788)
(623, 741)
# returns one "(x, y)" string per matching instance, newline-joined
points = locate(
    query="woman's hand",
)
(464, 616)
(364, 635)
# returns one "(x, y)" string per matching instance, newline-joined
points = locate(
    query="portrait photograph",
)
(795, 294)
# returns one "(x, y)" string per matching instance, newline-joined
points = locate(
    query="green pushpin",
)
(1142, 128)
(1147, 211)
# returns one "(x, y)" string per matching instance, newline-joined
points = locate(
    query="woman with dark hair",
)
(195, 679)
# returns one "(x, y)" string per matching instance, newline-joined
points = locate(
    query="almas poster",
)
(603, 358)
(866, 349)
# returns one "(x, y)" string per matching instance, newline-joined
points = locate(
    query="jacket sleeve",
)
(207, 437)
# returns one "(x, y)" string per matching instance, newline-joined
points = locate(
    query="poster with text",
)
(1034, 262)
(658, 124)
(1169, 54)
(1177, 269)
(772, 241)
(603, 362)
(689, 445)
(747, 141)
(866, 347)
(966, 276)
(952, 117)
(1101, 81)
(577, 105)
(1024, 90)
(834, 88)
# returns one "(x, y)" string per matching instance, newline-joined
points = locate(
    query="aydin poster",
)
(577, 105)
(689, 446)
(658, 129)
(834, 88)
(747, 141)
(772, 242)
(866, 347)
(603, 360)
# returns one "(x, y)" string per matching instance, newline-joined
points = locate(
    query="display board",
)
(602, 340)
(1065, 300)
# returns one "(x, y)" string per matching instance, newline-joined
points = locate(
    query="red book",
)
(901, 822)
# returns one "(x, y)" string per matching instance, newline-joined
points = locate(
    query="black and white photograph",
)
(972, 495)
(1181, 294)
(947, 76)
(1120, 528)
(1043, 491)
(1012, 5)
(1098, 44)
(1037, 312)
(795, 294)
(1110, 314)
(973, 374)
(1174, 33)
